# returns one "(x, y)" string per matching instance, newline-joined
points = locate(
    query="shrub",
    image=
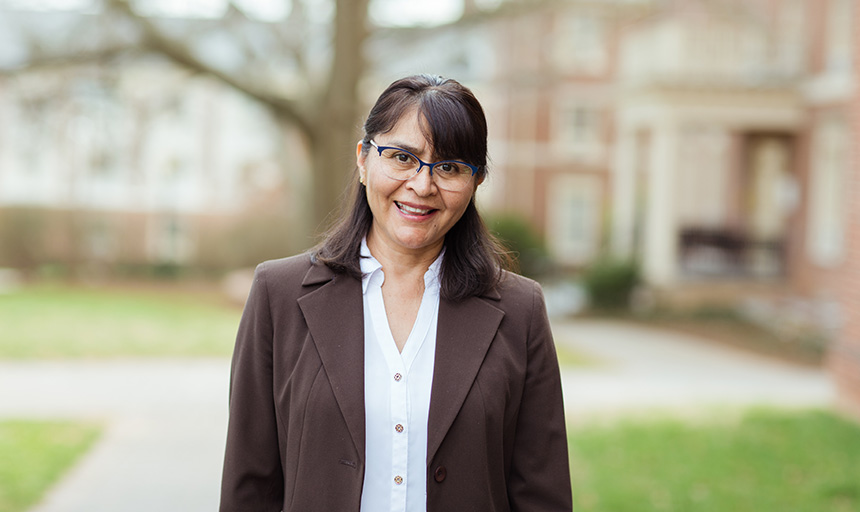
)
(524, 242)
(610, 282)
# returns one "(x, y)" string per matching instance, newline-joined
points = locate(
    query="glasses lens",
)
(452, 175)
(400, 164)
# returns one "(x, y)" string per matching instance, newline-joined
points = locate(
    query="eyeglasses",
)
(400, 164)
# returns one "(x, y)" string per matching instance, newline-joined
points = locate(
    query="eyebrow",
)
(407, 147)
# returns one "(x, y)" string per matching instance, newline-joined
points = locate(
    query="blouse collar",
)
(371, 269)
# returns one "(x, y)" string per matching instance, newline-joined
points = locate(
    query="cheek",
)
(462, 203)
(378, 189)
(456, 207)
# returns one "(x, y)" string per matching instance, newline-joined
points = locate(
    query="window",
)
(827, 208)
(581, 45)
(839, 35)
(573, 208)
(578, 131)
(791, 50)
(101, 240)
(170, 240)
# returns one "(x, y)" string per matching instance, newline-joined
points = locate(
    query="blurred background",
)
(680, 175)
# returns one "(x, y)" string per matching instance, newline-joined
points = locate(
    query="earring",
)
(361, 179)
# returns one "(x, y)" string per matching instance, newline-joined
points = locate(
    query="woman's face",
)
(409, 216)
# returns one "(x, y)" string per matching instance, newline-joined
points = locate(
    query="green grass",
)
(571, 357)
(69, 322)
(33, 455)
(763, 462)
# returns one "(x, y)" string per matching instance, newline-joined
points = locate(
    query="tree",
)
(327, 108)
(324, 59)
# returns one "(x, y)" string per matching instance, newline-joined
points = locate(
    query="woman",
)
(397, 367)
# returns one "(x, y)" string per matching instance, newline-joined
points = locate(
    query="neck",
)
(397, 261)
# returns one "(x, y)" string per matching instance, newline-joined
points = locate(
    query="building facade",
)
(845, 354)
(137, 163)
(707, 140)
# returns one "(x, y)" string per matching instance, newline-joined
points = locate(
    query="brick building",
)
(708, 140)
(845, 354)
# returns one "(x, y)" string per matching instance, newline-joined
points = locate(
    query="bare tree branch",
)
(297, 18)
(288, 44)
(179, 53)
(55, 61)
(474, 15)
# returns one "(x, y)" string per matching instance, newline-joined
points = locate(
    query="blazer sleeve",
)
(252, 478)
(540, 468)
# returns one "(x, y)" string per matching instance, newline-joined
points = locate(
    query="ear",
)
(479, 180)
(359, 161)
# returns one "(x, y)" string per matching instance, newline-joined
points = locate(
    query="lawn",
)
(76, 321)
(761, 461)
(570, 357)
(33, 455)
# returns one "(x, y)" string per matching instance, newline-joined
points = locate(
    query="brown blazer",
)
(295, 440)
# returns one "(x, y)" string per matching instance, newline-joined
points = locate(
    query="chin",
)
(416, 241)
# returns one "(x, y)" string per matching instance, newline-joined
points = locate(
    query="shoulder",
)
(292, 267)
(292, 272)
(516, 288)
(518, 296)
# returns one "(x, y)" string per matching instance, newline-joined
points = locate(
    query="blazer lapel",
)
(334, 315)
(464, 333)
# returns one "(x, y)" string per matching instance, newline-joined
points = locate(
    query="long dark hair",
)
(456, 127)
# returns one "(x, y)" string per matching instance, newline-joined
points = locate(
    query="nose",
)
(422, 182)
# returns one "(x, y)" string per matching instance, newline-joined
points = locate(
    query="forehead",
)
(410, 131)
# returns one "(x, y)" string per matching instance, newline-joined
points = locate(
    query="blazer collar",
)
(317, 274)
(335, 319)
(464, 333)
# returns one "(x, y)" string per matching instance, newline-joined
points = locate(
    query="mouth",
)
(411, 210)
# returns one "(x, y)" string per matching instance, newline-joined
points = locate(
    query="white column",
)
(659, 257)
(624, 193)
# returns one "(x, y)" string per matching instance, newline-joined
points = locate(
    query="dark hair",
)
(456, 128)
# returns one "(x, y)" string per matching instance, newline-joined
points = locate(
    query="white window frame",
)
(573, 239)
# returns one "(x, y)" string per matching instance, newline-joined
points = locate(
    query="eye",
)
(450, 168)
(399, 157)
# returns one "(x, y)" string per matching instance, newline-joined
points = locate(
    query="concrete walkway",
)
(165, 425)
(639, 370)
(166, 419)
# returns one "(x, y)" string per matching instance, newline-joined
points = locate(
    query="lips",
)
(412, 210)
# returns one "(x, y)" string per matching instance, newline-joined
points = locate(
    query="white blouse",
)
(396, 396)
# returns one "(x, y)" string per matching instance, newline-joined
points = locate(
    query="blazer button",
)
(440, 473)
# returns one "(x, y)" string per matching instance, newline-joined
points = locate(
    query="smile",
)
(412, 211)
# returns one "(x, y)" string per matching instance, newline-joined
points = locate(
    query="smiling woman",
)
(412, 211)
(398, 366)
(432, 119)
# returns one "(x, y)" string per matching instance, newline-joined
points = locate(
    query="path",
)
(166, 419)
(640, 369)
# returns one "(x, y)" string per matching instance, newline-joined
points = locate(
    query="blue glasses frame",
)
(422, 163)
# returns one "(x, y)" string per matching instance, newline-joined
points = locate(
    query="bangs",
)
(450, 116)
(453, 128)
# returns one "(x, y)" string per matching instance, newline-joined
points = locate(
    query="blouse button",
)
(397, 377)
(398, 428)
(398, 479)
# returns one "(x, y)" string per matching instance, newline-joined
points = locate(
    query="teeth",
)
(409, 209)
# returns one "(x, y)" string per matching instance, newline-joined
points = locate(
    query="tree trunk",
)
(335, 129)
